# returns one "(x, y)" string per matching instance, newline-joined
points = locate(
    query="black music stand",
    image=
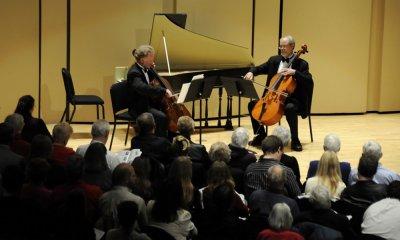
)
(197, 89)
(239, 87)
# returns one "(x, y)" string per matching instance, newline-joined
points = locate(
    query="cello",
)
(270, 108)
(171, 108)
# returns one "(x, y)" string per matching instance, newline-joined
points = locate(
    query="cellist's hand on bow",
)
(288, 71)
(248, 76)
(168, 93)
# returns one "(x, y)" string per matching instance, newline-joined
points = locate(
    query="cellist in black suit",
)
(296, 103)
(146, 97)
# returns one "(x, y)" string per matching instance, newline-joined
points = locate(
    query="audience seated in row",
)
(383, 175)
(7, 156)
(18, 145)
(331, 143)
(61, 134)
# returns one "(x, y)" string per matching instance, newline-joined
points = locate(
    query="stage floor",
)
(353, 130)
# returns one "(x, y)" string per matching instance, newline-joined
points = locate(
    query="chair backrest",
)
(68, 84)
(119, 96)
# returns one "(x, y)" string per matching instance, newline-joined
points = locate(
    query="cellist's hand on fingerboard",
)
(287, 71)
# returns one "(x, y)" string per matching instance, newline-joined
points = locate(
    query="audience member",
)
(256, 173)
(166, 211)
(61, 134)
(180, 146)
(324, 215)
(382, 218)
(240, 156)
(218, 174)
(365, 191)
(100, 131)
(152, 146)
(280, 222)
(221, 222)
(96, 168)
(283, 133)
(18, 145)
(143, 185)
(383, 175)
(331, 143)
(262, 201)
(33, 125)
(181, 169)
(328, 175)
(127, 216)
(75, 171)
(7, 156)
(219, 151)
(123, 177)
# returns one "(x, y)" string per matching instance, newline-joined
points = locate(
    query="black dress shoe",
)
(257, 140)
(296, 145)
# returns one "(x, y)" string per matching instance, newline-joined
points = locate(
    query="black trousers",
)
(291, 109)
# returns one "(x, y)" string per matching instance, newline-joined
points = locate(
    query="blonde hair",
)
(328, 171)
(181, 169)
(219, 173)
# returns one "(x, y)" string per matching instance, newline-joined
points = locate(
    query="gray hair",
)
(290, 39)
(62, 132)
(142, 51)
(319, 197)
(283, 133)
(240, 137)
(332, 143)
(16, 121)
(276, 177)
(280, 218)
(100, 128)
(219, 151)
(373, 149)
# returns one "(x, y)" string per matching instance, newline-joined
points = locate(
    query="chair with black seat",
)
(120, 103)
(74, 99)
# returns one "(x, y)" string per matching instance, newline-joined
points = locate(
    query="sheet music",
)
(183, 92)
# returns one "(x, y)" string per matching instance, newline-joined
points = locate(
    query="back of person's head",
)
(219, 151)
(283, 133)
(276, 178)
(185, 126)
(240, 137)
(169, 198)
(367, 166)
(372, 149)
(320, 198)
(142, 51)
(223, 197)
(329, 165)
(75, 167)
(76, 205)
(219, 173)
(37, 170)
(145, 123)
(393, 190)
(127, 213)
(95, 158)
(142, 166)
(41, 146)
(25, 106)
(181, 169)
(6, 134)
(16, 121)
(271, 144)
(100, 128)
(12, 179)
(332, 143)
(61, 133)
(280, 218)
(122, 174)
(180, 145)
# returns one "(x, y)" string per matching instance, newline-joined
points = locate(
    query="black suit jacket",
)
(303, 77)
(142, 94)
(152, 146)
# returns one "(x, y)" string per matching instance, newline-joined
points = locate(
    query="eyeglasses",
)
(283, 47)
